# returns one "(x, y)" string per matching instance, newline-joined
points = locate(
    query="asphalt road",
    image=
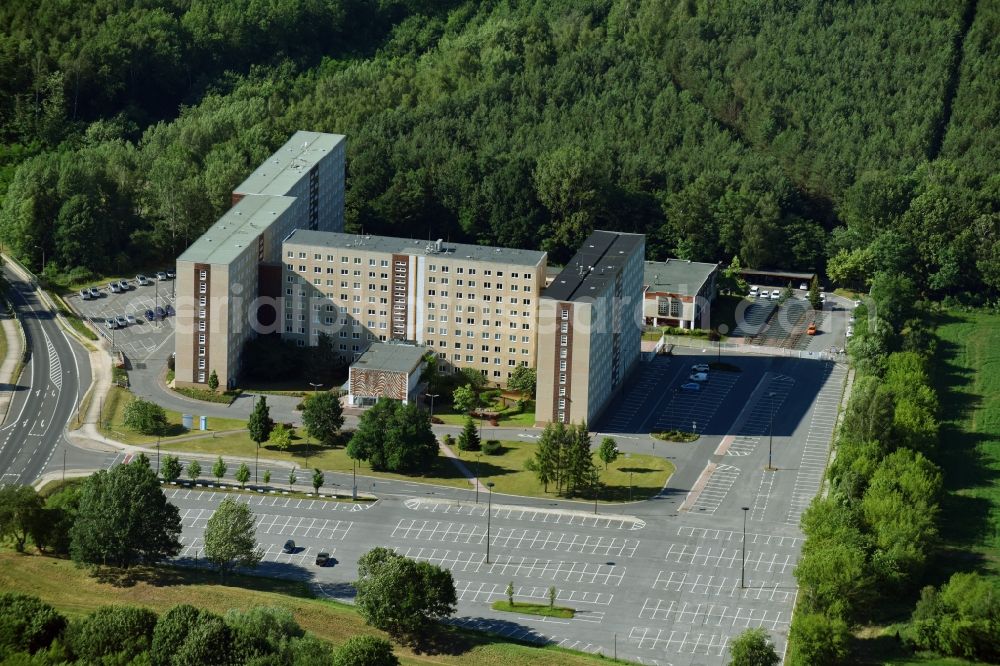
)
(47, 394)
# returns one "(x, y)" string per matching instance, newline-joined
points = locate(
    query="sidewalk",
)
(15, 350)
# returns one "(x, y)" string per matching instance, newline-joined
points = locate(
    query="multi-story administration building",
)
(590, 328)
(229, 280)
(474, 306)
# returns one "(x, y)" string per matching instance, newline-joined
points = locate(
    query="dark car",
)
(170, 310)
(322, 558)
(289, 547)
(160, 312)
(171, 274)
(150, 316)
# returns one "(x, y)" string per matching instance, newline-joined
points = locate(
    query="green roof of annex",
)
(279, 172)
(226, 239)
(391, 357)
(676, 276)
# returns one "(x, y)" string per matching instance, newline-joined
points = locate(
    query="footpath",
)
(14, 335)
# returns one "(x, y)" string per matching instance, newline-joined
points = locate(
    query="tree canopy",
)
(394, 437)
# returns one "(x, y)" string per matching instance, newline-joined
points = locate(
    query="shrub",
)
(492, 447)
(126, 631)
(27, 624)
(960, 619)
(365, 651)
(172, 630)
(818, 640)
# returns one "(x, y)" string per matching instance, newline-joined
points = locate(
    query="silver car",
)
(114, 288)
(124, 284)
(121, 321)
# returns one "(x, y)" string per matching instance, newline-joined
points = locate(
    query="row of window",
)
(290, 254)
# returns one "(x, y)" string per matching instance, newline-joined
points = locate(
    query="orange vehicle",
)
(812, 329)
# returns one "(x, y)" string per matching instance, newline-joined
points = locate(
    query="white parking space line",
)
(479, 592)
(716, 489)
(680, 642)
(515, 513)
(694, 410)
(692, 583)
(506, 537)
(712, 615)
(812, 465)
(760, 562)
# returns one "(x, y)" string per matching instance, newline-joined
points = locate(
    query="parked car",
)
(95, 292)
(822, 296)
(111, 324)
(142, 280)
(775, 294)
(160, 312)
(699, 377)
(125, 285)
(699, 367)
(170, 310)
(691, 386)
(130, 318)
(161, 276)
(753, 290)
(322, 558)
(85, 294)
(289, 547)
(850, 331)
(171, 274)
(122, 321)
(763, 293)
(114, 288)
(150, 315)
(812, 329)
(804, 287)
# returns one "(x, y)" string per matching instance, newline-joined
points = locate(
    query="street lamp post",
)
(770, 429)
(432, 396)
(256, 459)
(743, 563)
(354, 473)
(479, 458)
(157, 455)
(489, 511)
(630, 486)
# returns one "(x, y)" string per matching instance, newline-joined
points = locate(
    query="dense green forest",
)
(850, 138)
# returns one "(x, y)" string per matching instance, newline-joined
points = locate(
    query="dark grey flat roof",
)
(676, 276)
(388, 357)
(391, 245)
(594, 265)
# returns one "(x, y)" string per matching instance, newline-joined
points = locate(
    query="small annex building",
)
(677, 292)
(386, 370)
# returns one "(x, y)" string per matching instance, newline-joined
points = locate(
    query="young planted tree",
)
(171, 468)
(292, 479)
(468, 440)
(317, 479)
(465, 399)
(814, 299)
(213, 381)
(231, 537)
(260, 424)
(267, 477)
(552, 596)
(281, 437)
(323, 417)
(219, 469)
(243, 475)
(194, 470)
(510, 593)
(608, 451)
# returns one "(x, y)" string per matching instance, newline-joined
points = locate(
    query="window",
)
(562, 377)
(201, 364)
(201, 351)
(302, 255)
(203, 275)
(201, 375)
(201, 339)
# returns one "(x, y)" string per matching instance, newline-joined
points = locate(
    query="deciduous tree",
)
(323, 417)
(231, 537)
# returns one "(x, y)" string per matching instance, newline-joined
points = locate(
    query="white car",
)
(700, 367)
(754, 290)
(699, 377)
(822, 296)
(691, 386)
(850, 331)
(775, 294)
(804, 287)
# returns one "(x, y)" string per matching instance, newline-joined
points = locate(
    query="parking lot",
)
(137, 341)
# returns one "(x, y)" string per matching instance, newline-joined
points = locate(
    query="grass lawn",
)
(508, 416)
(648, 473)
(73, 592)
(112, 426)
(533, 609)
(967, 377)
(207, 395)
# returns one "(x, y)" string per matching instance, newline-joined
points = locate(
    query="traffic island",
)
(543, 610)
(676, 436)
